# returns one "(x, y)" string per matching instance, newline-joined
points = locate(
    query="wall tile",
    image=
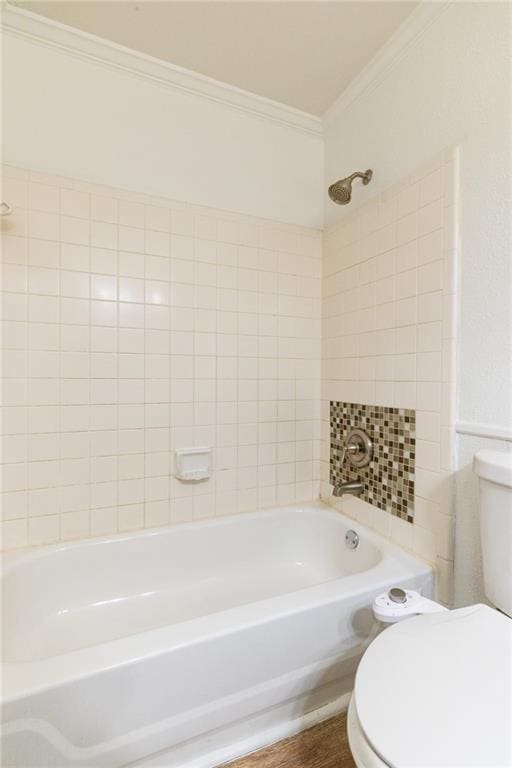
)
(404, 354)
(133, 326)
(144, 327)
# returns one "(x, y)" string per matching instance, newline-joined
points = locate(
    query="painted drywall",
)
(451, 87)
(65, 114)
(301, 54)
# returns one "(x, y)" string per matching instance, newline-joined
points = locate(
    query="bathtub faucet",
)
(353, 487)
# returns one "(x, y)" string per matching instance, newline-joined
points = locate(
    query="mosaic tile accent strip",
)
(389, 477)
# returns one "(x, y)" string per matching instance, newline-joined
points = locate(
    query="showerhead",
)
(341, 191)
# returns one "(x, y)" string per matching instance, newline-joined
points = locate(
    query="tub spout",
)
(354, 487)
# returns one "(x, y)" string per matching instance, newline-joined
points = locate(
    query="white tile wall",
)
(388, 338)
(133, 326)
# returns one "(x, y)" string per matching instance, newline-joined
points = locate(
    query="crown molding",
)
(82, 45)
(391, 53)
(87, 47)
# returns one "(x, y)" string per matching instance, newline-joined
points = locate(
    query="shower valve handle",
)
(358, 448)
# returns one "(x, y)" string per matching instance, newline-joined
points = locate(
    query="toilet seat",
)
(362, 751)
(436, 691)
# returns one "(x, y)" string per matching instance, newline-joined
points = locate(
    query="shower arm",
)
(366, 176)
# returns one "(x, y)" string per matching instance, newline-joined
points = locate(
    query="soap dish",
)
(193, 463)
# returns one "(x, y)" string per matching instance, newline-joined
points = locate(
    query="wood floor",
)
(323, 746)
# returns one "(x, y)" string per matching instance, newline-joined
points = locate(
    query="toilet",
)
(435, 690)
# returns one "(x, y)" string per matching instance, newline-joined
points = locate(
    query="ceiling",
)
(302, 54)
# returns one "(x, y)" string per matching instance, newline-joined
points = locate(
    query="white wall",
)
(451, 87)
(65, 114)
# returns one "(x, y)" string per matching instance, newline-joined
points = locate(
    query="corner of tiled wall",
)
(389, 320)
(133, 325)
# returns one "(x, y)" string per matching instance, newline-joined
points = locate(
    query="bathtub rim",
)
(11, 559)
(30, 677)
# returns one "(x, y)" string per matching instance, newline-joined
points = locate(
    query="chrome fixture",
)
(397, 595)
(5, 209)
(358, 449)
(352, 539)
(353, 487)
(341, 191)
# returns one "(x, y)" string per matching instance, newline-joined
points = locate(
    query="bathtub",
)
(188, 645)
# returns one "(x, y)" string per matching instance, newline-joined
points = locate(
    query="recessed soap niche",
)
(193, 464)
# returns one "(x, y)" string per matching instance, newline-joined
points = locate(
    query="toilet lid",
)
(436, 690)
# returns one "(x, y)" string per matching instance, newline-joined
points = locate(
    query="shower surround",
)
(389, 341)
(135, 325)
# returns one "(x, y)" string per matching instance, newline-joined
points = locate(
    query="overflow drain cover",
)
(351, 539)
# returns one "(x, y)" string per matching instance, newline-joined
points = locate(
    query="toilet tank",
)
(494, 470)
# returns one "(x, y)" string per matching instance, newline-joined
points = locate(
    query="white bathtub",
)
(188, 645)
